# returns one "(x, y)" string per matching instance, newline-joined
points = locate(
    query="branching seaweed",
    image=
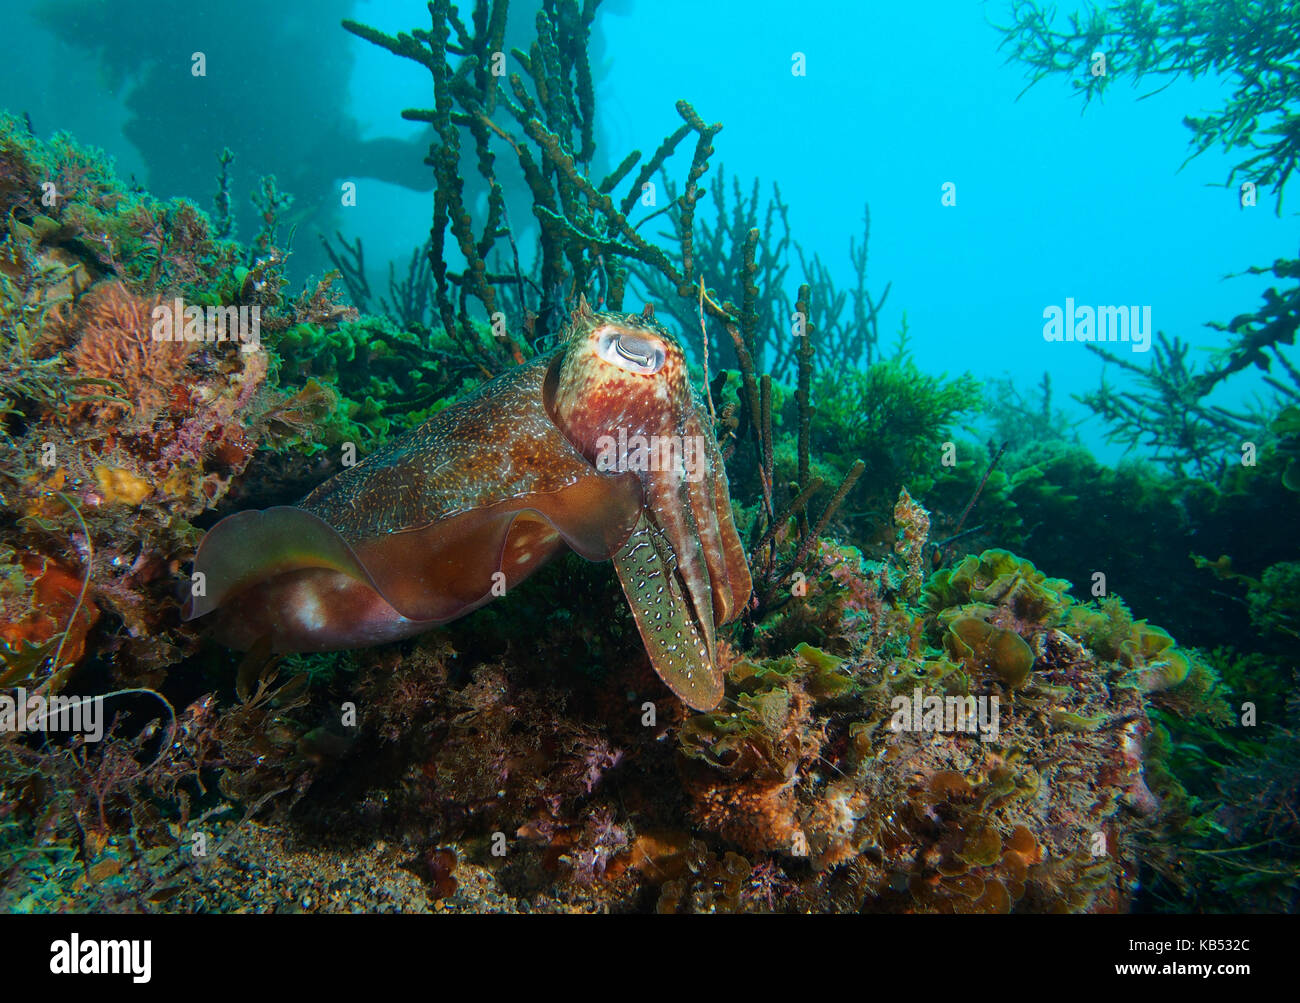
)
(1252, 42)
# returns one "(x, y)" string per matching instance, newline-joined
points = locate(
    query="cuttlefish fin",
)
(288, 573)
(677, 635)
(252, 546)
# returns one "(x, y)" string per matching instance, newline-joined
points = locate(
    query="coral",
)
(115, 345)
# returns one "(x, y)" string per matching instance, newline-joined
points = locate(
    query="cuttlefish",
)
(600, 445)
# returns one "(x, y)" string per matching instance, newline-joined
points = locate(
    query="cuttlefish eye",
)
(633, 351)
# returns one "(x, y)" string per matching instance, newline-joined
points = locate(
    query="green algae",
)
(998, 577)
(982, 647)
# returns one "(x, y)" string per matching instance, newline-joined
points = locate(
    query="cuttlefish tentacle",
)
(473, 501)
(680, 650)
(684, 479)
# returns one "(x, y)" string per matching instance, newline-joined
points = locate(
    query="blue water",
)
(1052, 201)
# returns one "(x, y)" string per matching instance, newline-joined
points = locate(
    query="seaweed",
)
(1177, 38)
(1171, 415)
(586, 237)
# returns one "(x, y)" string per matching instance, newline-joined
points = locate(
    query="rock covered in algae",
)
(1044, 811)
(121, 436)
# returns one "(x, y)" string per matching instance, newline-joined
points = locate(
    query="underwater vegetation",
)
(1227, 471)
(1169, 412)
(914, 710)
(114, 439)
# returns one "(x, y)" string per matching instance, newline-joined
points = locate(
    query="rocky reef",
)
(116, 438)
(916, 717)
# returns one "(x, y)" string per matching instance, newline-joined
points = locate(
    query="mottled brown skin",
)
(473, 501)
